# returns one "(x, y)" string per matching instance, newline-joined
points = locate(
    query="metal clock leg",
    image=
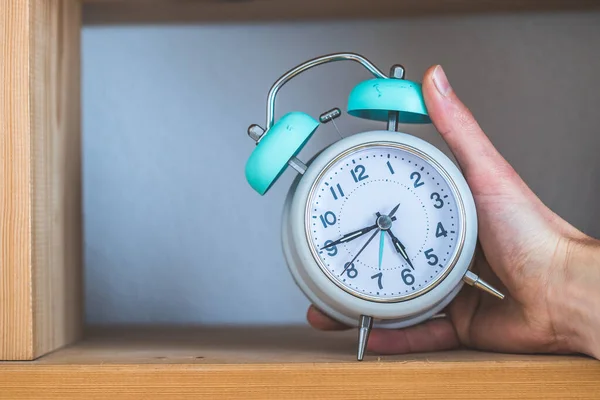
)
(364, 329)
(475, 281)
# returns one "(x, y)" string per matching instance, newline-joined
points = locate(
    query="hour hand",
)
(400, 248)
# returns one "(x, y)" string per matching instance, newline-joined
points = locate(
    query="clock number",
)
(407, 277)
(378, 276)
(331, 251)
(440, 231)
(334, 192)
(358, 173)
(417, 176)
(439, 203)
(328, 218)
(351, 270)
(390, 168)
(433, 259)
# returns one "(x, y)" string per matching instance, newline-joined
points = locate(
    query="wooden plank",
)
(290, 363)
(16, 324)
(40, 243)
(169, 11)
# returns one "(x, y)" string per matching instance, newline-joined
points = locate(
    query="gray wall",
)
(172, 231)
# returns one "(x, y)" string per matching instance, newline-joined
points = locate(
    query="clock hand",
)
(400, 247)
(352, 235)
(393, 211)
(381, 242)
(360, 251)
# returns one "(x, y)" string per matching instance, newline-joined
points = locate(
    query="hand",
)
(381, 245)
(549, 270)
(400, 247)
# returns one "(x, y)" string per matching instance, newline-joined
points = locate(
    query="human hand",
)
(549, 270)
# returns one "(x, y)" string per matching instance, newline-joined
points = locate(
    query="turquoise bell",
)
(277, 147)
(374, 98)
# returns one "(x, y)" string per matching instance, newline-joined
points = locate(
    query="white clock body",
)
(341, 191)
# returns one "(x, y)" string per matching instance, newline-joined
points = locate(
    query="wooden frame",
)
(41, 284)
(41, 246)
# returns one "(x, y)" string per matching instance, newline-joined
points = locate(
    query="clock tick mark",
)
(422, 168)
(446, 196)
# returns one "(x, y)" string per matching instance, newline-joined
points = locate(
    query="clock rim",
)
(326, 294)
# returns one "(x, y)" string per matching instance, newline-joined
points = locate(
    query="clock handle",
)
(311, 64)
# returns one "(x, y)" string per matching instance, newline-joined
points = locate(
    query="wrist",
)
(575, 300)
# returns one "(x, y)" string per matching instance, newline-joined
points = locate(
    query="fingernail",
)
(441, 81)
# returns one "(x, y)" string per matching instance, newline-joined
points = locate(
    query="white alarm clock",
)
(379, 228)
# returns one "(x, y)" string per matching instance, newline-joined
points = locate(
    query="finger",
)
(434, 335)
(320, 321)
(473, 150)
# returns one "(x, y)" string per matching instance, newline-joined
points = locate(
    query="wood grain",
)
(40, 257)
(169, 11)
(290, 363)
(16, 324)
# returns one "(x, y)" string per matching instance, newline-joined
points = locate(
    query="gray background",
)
(174, 234)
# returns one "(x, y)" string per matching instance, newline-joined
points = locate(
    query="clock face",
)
(384, 222)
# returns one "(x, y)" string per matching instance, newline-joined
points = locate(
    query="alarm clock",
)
(379, 229)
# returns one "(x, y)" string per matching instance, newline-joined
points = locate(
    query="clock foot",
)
(364, 329)
(475, 281)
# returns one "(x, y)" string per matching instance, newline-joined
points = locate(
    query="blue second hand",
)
(381, 242)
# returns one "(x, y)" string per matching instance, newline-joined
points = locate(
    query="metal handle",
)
(308, 65)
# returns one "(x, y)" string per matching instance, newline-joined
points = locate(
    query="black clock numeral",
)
(417, 176)
(433, 259)
(378, 276)
(358, 173)
(440, 231)
(439, 203)
(407, 277)
(331, 251)
(328, 218)
(351, 270)
(335, 192)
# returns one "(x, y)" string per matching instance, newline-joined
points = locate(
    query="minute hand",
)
(351, 236)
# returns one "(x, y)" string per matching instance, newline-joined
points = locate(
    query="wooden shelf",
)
(41, 283)
(168, 11)
(295, 362)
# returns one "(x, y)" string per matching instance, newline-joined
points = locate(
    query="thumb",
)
(489, 175)
(485, 169)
